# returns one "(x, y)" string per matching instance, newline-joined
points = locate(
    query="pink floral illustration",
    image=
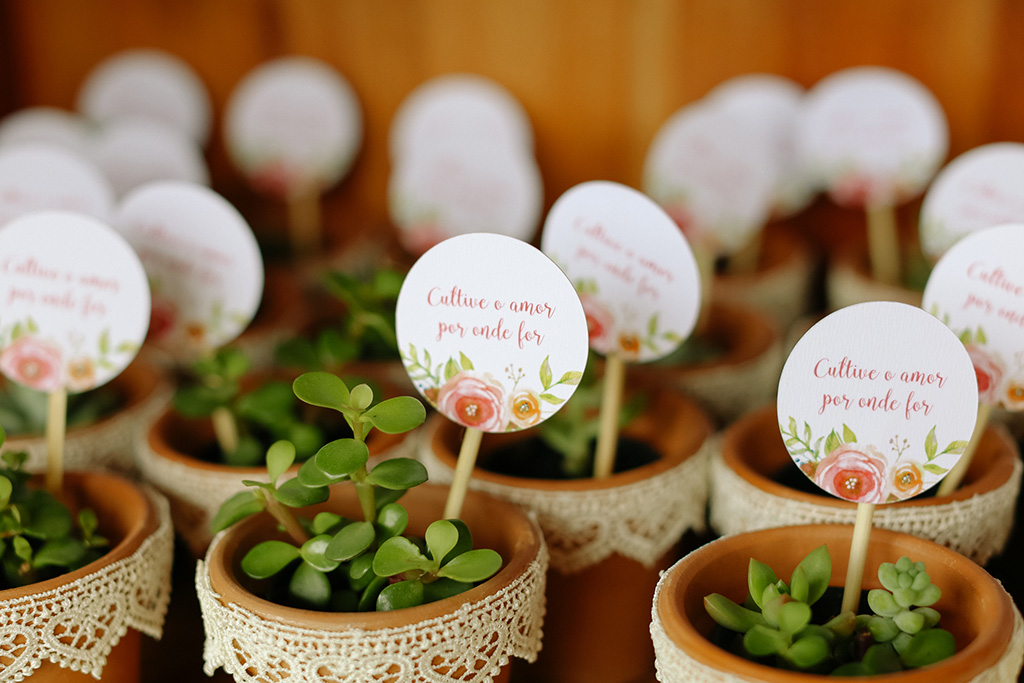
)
(682, 217)
(524, 408)
(989, 371)
(275, 178)
(33, 363)
(600, 324)
(81, 373)
(853, 472)
(855, 190)
(162, 318)
(906, 479)
(420, 237)
(474, 400)
(1013, 396)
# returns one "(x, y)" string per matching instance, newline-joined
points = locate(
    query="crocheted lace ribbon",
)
(197, 493)
(105, 445)
(470, 644)
(640, 521)
(77, 625)
(675, 666)
(978, 527)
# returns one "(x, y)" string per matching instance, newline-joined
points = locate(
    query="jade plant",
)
(39, 537)
(776, 620)
(246, 421)
(333, 563)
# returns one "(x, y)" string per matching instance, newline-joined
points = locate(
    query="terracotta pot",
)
(780, 286)
(598, 590)
(975, 520)
(745, 375)
(469, 630)
(106, 443)
(168, 456)
(849, 282)
(975, 609)
(122, 593)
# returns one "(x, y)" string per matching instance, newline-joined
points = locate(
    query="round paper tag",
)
(134, 152)
(713, 176)
(491, 332)
(872, 136)
(435, 193)
(38, 176)
(977, 289)
(148, 84)
(460, 107)
(75, 302)
(203, 263)
(633, 270)
(47, 125)
(770, 106)
(980, 188)
(877, 402)
(293, 126)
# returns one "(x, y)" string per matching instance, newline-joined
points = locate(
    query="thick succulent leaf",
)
(441, 537)
(464, 544)
(443, 588)
(759, 577)
(392, 519)
(321, 389)
(928, 647)
(817, 565)
(396, 415)
(361, 396)
(338, 459)
(793, 616)
(327, 523)
(761, 641)
(729, 615)
(313, 552)
(398, 473)
(352, 540)
(293, 494)
(807, 652)
(280, 457)
(397, 555)
(47, 519)
(368, 598)
(472, 566)
(360, 572)
(60, 552)
(268, 558)
(309, 588)
(312, 476)
(400, 595)
(882, 659)
(236, 508)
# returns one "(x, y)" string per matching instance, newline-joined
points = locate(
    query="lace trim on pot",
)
(77, 625)
(675, 666)
(640, 521)
(978, 527)
(470, 644)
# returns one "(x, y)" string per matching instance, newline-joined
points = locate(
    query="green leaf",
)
(848, 435)
(309, 588)
(321, 389)
(451, 368)
(235, 509)
(545, 372)
(730, 615)
(22, 548)
(882, 659)
(47, 518)
(980, 336)
(368, 599)
(350, 541)
(327, 523)
(472, 566)
(280, 457)
(397, 555)
(104, 342)
(464, 544)
(338, 459)
(551, 398)
(928, 647)
(443, 588)
(268, 558)
(392, 519)
(799, 586)
(441, 536)
(5, 489)
(396, 415)
(311, 475)
(88, 522)
(931, 444)
(759, 577)
(818, 567)
(792, 425)
(398, 473)
(361, 396)
(60, 552)
(314, 550)
(955, 447)
(466, 363)
(934, 469)
(832, 442)
(808, 651)
(793, 616)
(761, 641)
(293, 494)
(882, 603)
(400, 595)
(360, 572)
(571, 378)
(248, 453)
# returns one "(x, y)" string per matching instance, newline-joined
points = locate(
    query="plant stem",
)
(225, 428)
(285, 518)
(367, 498)
(883, 243)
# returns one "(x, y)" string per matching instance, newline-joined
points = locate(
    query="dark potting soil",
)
(532, 458)
(791, 477)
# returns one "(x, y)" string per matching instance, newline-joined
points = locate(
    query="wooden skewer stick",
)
(746, 259)
(304, 222)
(463, 471)
(956, 474)
(858, 557)
(883, 243)
(611, 406)
(56, 428)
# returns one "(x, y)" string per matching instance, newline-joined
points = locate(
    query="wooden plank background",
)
(597, 77)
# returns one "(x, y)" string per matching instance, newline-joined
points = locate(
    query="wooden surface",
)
(597, 77)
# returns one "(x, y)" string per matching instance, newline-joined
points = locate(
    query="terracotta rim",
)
(127, 515)
(682, 614)
(989, 469)
(493, 522)
(783, 248)
(674, 424)
(745, 333)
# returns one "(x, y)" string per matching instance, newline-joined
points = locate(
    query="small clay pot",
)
(849, 282)
(128, 518)
(974, 607)
(282, 314)
(495, 524)
(595, 629)
(108, 442)
(743, 377)
(975, 520)
(780, 285)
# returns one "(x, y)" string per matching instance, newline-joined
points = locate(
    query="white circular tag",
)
(491, 332)
(459, 107)
(134, 152)
(47, 125)
(713, 176)
(293, 125)
(877, 402)
(980, 188)
(148, 84)
(203, 263)
(872, 136)
(39, 177)
(630, 264)
(435, 193)
(977, 289)
(75, 302)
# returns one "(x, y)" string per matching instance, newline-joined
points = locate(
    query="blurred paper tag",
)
(42, 177)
